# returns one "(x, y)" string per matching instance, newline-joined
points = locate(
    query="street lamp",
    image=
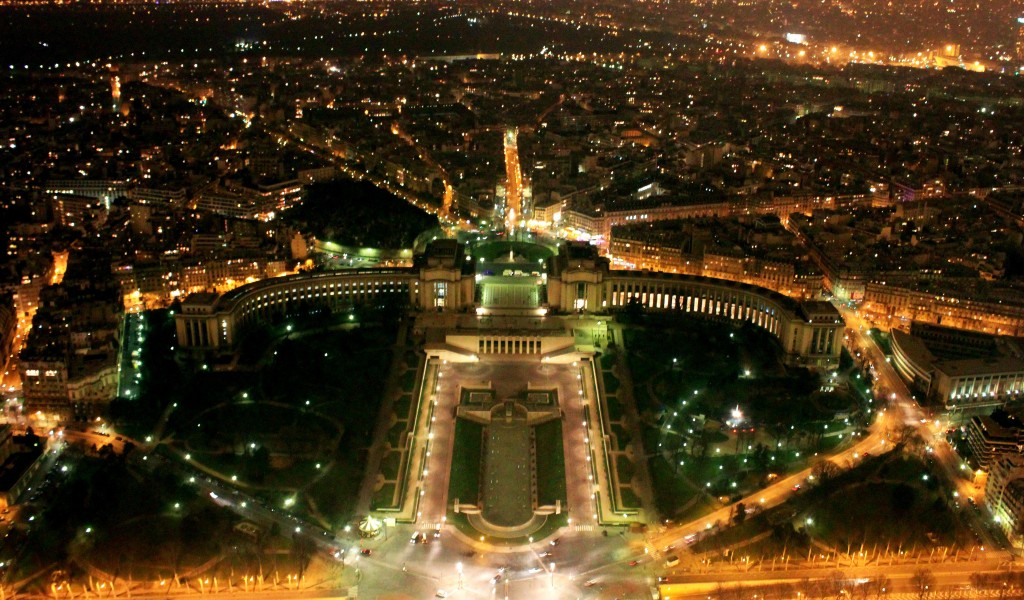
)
(458, 567)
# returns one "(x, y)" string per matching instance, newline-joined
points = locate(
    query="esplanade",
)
(521, 279)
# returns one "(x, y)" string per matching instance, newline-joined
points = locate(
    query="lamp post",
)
(458, 567)
(552, 571)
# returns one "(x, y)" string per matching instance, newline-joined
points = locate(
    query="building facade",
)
(576, 281)
(992, 436)
(1004, 493)
(964, 378)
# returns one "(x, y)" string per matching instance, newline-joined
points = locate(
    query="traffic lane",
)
(901, 398)
(949, 573)
(116, 441)
(772, 495)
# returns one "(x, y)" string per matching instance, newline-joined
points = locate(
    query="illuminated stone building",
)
(575, 281)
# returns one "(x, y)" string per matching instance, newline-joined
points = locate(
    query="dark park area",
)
(358, 213)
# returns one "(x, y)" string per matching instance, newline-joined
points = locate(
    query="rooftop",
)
(15, 466)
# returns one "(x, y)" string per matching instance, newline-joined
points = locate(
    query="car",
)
(634, 563)
(497, 579)
(590, 583)
(534, 570)
(437, 532)
(365, 551)
(555, 541)
(797, 487)
(690, 539)
(441, 594)
(415, 537)
(544, 554)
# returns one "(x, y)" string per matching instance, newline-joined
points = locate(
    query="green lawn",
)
(408, 381)
(611, 382)
(550, 463)
(642, 398)
(671, 494)
(551, 526)
(670, 358)
(614, 408)
(625, 468)
(237, 425)
(622, 437)
(335, 492)
(498, 252)
(466, 462)
(402, 406)
(390, 463)
(385, 497)
(396, 433)
(629, 499)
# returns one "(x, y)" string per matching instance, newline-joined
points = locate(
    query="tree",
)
(902, 498)
(762, 458)
(825, 470)
(302, 549)
(259, 464)
(922, 582)
(834, 585)
(881, 586)
(741, 514)
(700, 444)
(634, 311)
(31, 439)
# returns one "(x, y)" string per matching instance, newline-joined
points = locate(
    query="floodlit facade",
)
(969, 380)
(574, 281)
(1004, 493)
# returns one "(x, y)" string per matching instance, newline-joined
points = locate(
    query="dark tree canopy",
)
(357, 213)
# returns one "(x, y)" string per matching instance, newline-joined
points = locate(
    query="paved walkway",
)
(599, 456)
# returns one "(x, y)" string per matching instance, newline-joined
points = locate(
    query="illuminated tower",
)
(514, 181)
